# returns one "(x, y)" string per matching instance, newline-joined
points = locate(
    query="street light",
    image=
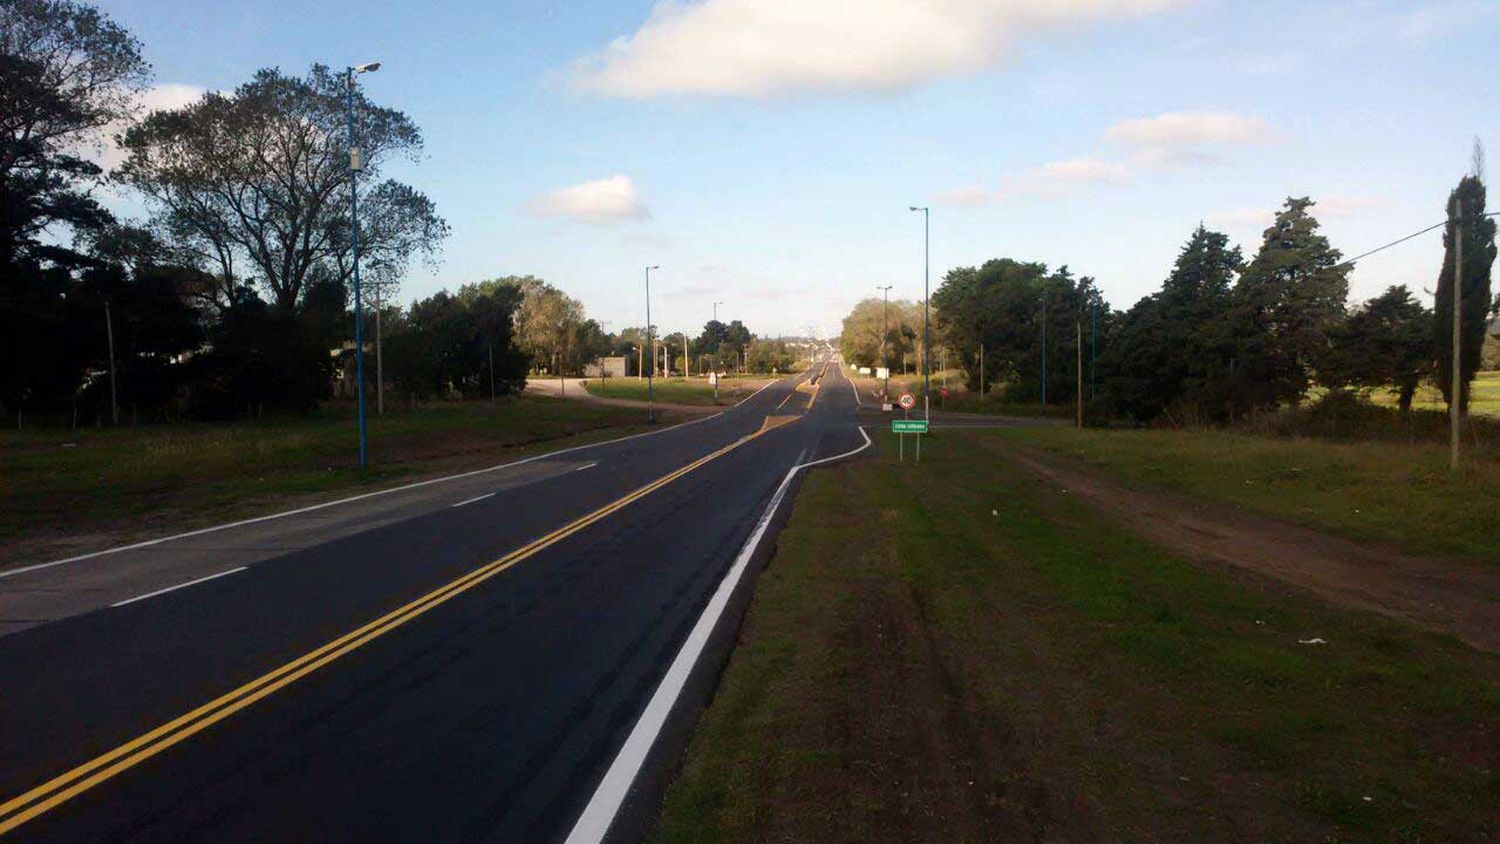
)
(356, 164)
(650, 408)
(926, 334)
(885, 337)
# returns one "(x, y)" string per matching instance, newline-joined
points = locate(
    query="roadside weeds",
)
(960, 651)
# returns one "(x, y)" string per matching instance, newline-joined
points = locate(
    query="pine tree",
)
(1170, 348)
(1287, 302)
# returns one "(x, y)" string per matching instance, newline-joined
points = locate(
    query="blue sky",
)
(764, 152)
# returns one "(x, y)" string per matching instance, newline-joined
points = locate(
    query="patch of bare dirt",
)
(1444, 595)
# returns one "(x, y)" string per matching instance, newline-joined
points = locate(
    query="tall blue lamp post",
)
(926, 295)
(650, 403)
(356, 164)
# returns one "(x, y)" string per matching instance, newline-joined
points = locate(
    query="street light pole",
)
(1093, 348)
(1044, 350)
(716, 353)
(356, 164)
(885, 336)
(650, 395)
(1455, 382)
(926, 294)
(114, 396)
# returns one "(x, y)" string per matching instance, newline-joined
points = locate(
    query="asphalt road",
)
(458, 661)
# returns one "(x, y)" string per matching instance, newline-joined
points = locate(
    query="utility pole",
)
(1455, 390)
(1078, 325)
(944, 369)
(926, 296)
(492, 373)
(109, 333)
(356, 164)
(650, 396)
(640, 361)
(981, 373)
(1044, 350)
(687, 364)
(1093, 348)
(885, 336)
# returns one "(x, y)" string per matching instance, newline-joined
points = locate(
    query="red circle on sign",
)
(908, 401)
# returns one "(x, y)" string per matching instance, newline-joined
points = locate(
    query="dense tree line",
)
(1018, 316)
(234, 296)
(1222, 339)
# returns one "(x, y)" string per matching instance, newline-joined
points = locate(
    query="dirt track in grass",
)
(1448, 596)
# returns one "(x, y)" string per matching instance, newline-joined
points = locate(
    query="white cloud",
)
(1190, 129)
(1052, 180)
(753, 48)
(1344, 205)
(1240, 218)
(971, 194)
(1330, 206)
(1186, 137)
(1434, 20)
(1074, 171)
(608, 200)
(165, 97)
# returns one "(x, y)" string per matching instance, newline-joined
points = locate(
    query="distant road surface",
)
(462, 660)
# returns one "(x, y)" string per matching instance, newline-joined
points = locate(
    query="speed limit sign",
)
(907, 401)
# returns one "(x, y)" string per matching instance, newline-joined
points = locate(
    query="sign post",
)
(902, 427)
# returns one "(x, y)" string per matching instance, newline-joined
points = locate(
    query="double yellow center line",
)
(64, 787)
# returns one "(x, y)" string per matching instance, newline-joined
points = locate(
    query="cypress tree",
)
(1467, 201)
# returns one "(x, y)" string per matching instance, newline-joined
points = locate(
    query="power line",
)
(1399, 241)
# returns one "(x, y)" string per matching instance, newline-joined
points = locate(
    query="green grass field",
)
(1484, 399)
(158, 477)
(954, 651)
(676, 390)
(1396, 493)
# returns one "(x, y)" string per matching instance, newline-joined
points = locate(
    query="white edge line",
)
(178, 586)
(472, 500)
(593, 824)
(148, 543)
(763, 388)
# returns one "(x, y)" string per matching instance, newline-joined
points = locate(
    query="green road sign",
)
(908, 426)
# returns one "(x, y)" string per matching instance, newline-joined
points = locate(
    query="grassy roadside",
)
(56, 485)
(1396, 493)
(676, 390)
(958, 652)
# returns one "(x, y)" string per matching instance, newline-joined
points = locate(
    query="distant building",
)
(615, 367)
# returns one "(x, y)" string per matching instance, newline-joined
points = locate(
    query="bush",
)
(1345, 416)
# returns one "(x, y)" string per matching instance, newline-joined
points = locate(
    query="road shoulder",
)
(960, 647)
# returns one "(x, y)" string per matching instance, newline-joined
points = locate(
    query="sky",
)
(765, 153)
